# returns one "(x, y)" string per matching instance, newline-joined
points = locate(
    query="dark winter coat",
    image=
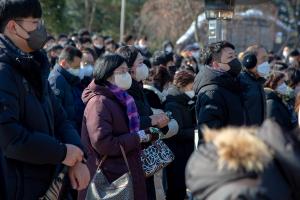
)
(182, 144)
(219, 101)
(253, 97)
(104, 129)
(140, 99)
(33, 125)
(154, 96)
(277, 181)
(277, 110)
(66, 88)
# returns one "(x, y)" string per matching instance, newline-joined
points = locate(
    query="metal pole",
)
(122, 23)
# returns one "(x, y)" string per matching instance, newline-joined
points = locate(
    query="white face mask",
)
(169, 49)
(196, 54)
(88, 70)
(285, 54)
(76, 72)
(190, 93)
(123, 81)
(263, 69)
(99, 46)
(142, 72)
(282, 89)
(291, 60)
(143, 46)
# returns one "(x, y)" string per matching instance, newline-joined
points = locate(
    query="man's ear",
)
(62, 62)
(11, 27)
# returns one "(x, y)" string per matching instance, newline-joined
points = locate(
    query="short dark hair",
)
(83, 33)
(105, 67)
(13, 9)
(294, 53)
(130, 54)
(161, 58)
(127, 38)
(84, 40)
(69, 53)
(213, 51)
(62, 35)
(293, 75)
(183, 78)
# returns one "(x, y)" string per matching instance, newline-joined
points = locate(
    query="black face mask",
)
(37, 38)
(235, 67)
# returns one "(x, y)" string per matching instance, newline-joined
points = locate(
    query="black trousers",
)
(151, 195)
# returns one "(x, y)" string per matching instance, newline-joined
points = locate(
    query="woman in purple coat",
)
(110, 120)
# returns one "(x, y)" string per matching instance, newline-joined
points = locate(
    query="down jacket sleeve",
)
(16, 141)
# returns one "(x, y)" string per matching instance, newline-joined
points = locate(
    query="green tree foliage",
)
(71, 15)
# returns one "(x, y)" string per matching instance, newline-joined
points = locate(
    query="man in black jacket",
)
(252, 80)
(64, 80)
(219, 103)
(35, 136)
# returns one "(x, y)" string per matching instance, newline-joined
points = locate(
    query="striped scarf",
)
(127, 101)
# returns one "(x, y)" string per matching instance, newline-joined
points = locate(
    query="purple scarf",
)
(127, 100)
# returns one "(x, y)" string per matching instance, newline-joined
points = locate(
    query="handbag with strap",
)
(56, 188)
(101, 189)
(155, 157)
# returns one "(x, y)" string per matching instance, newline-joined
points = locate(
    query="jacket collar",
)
(73, 80)
(254, 77)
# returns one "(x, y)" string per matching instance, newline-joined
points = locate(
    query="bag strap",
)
(123, 154)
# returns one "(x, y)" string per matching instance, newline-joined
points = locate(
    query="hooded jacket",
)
(219, 101)
(33, 125)
(278, 111)
(182, 144)
(266, 169)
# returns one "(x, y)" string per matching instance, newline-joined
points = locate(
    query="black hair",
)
(130, 54)
(62, 35)
(69, 53)
(55, 48)
(147, 63)
(294, 53)
(50, 37)
(14, 9)
(213, 51)
(105, 67)
(293, 75)
(70, 43)
(161, 58)
(83, 33)
(84, 40)
(127, 38)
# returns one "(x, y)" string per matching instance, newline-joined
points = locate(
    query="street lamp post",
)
(122, 21)
(217, 11)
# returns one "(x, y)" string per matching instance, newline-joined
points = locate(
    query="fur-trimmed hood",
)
(228, 154)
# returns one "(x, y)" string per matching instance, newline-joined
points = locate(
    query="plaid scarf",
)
(127, 101)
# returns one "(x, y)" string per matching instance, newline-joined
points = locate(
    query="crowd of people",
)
(82, 99)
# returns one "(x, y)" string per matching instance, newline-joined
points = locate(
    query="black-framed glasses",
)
(38, 22)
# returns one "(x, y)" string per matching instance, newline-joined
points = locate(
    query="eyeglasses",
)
(38, 22)
(123, 71)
